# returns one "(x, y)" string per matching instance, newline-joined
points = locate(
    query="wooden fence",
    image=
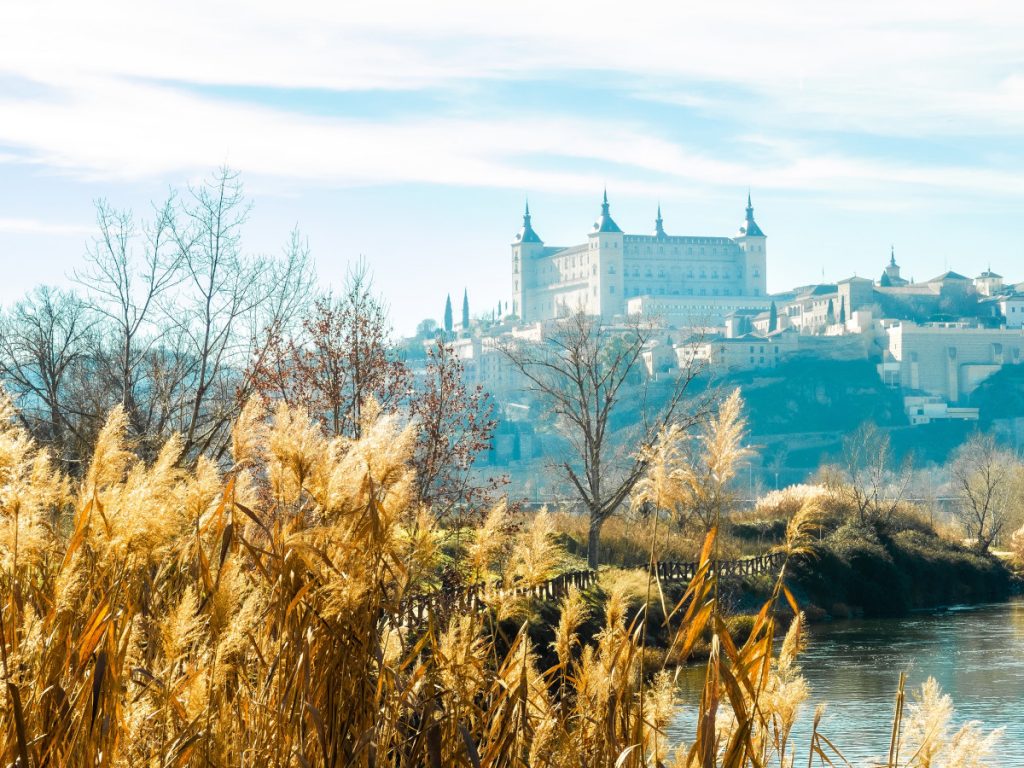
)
(471, 598)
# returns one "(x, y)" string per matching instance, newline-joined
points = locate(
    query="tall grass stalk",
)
(257, 614)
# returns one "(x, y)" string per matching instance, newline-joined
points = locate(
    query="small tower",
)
(526, 247)
(659, 229)
(891, 276)
(752, 242)
(605, 280)
(988, 283)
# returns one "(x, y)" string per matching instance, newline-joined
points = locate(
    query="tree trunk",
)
(594, 541)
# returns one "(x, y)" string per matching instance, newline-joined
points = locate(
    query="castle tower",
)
(988, 283)
(525, 248)
(891, 275)
(752, 242)
(659, 228)
(605, 296)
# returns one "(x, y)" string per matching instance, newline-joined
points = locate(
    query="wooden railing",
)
(471, 598)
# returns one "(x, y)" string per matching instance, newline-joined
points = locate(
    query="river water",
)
(975, 653)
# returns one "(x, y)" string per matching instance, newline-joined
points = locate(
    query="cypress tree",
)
(842, 310)
(465, 310)
(773, 318)
(448, 314)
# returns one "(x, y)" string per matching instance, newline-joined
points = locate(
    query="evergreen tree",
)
(465, 310)
(448, 314)
(773, 318)
(831, 313)
(842, 310)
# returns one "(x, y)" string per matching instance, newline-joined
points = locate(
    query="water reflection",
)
(976, 654)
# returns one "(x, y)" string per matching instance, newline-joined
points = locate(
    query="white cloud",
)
(909, 68)
(37, 227)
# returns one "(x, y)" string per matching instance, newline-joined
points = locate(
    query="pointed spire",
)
(659, 229)
(605, 223)
(526, 234)
(750, 228)
(892, 255)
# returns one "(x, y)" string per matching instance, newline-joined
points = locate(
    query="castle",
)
(614, 274)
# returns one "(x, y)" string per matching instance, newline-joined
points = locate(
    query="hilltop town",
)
(928, 359)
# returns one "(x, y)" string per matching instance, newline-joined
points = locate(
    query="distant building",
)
(924, 409)
(742, 353)
(687, 277)
(947, 360)
(988, 283)
(891, 276)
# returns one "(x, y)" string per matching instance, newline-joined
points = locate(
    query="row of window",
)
(662, 272)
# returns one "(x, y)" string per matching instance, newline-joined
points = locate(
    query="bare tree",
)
(45, 342)
(456, 424)
(987, 481)
(168, 319)
(586, 375)
(871, 481)
(226, 304)
(128, 267)
(340, 356)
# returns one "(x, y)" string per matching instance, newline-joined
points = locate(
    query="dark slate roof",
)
(606, 223)
(749, 227)
(949, 276)
(988, 273)
(526, 234)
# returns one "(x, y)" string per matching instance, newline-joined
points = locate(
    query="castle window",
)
(611, 289)
(593, 269)
(611, 269)
(636, 272)
(689, 291)
(661, 273)
(725, 292)
(714, 275)
(689, 273)
(757, 272)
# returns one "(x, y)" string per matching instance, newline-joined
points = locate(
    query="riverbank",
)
(871, 569)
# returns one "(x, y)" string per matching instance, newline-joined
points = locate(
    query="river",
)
(976, 654)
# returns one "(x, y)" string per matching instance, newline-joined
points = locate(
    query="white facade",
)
(601, 275)
(948, 360)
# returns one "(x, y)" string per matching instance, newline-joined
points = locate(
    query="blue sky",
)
(411, 133)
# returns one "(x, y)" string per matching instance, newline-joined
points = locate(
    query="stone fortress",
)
(935, 341)
(614, 273)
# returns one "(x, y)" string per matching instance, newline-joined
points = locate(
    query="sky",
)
(410, 134)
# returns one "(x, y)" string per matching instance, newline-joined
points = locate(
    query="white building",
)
(612, 268)
(948, 360)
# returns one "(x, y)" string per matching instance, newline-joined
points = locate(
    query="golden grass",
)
(256, 615)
